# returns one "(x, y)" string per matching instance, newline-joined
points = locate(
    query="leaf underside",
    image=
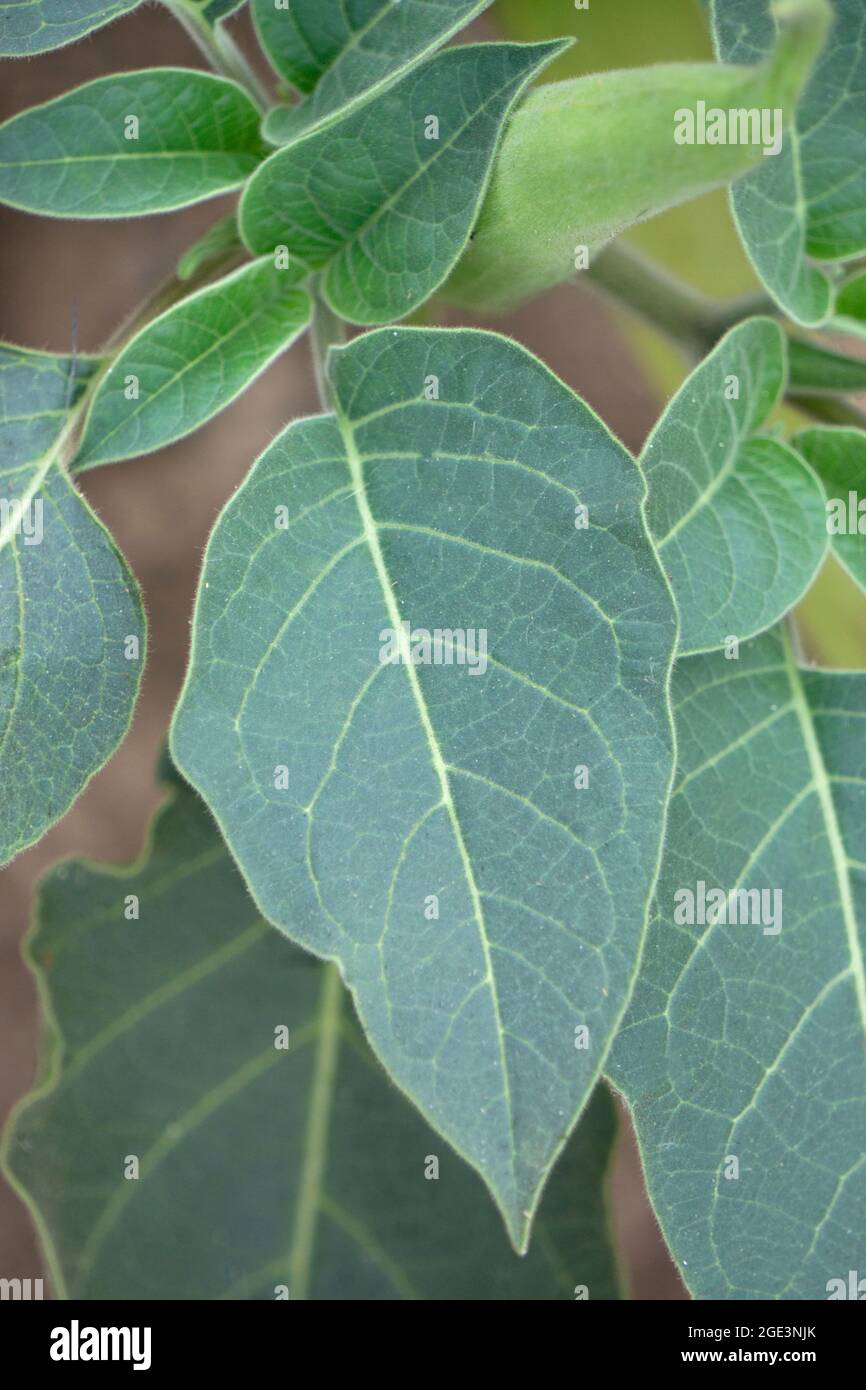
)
(36, 26)
(417, 785)
(68, 604)
(804, 205)
(743, 1042)
(738, 518)
(839, 458)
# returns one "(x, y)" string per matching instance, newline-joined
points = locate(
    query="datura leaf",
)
(850, 308)
(839, 458)
(427, 703)
(35, 26)
(211, 1123)
(806, 205)
(385, 219)
(742, 1054)
(71, 623)
(738, 518)
(132, 143)
(216, 10)
(340, 54)
(192, 361)
(583, 159)
(37, 392)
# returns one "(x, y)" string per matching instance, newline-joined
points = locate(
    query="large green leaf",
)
(839, 457)
(261, 1166)
(68, 607)
(342, 53)
(806, 204)
(425, 825)
(133, 143)
(744, 1042)
(35, 26)
(387, 218)
(738, 519)
(192, 361)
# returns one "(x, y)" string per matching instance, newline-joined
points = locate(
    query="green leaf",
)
(850, 312)
(805, 204)
(386, 219)
(220, 9)
(192, 361)
(738, 520)
(434, 836)
(133, 143)
(344, 53)
(839, 458)
(35, 26)
(744, 1044)
(68, 604)
(817, 370)
(260, 1165)
(37, 391)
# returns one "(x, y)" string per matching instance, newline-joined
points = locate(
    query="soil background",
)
(63, 282)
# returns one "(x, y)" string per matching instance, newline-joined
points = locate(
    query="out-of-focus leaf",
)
(265, 1170)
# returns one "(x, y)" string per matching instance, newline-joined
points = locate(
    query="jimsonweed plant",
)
(499, 772)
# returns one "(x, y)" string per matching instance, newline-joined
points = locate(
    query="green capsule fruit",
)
(584, 159)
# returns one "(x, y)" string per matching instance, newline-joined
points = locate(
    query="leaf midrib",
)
(315, 1144)
(371, 536)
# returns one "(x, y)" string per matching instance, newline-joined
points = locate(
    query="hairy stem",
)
(220, 49)
(327, 331)
(694, 321)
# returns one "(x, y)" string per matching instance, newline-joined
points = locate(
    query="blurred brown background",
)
(56, 274)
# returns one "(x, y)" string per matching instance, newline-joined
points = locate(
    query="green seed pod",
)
(584, 159)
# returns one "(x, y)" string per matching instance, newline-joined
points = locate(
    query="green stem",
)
(691, 319)
(220, 49)
(829, 410)
(327, 331)
(694, 321)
